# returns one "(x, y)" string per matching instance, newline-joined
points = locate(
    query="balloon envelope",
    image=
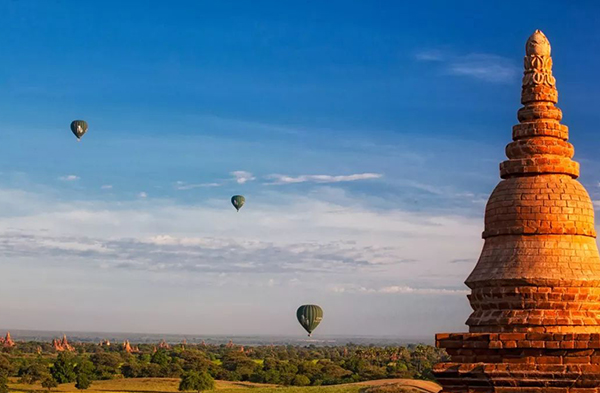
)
(309, 316)
(79, 127)
(238, 201)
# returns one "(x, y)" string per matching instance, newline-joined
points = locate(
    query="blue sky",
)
(365, 135)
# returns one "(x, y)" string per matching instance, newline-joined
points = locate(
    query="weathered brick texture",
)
(535, 291)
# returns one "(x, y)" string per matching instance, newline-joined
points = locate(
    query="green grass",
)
(169, 385)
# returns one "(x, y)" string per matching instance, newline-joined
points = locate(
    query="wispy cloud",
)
(167, 254)
(463, 260)
(106, 187)
(284, 179)
(430, 55)
(307, 234)
(185, 186)
(483, 66)
(486, 67)
(242, 177)
(423, 291)
(398, 289)
(69, 178)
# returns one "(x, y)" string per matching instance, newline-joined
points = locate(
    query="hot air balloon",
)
(238, 201)
(309, 316)
(79, 127)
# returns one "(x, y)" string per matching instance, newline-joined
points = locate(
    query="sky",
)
(365, 136)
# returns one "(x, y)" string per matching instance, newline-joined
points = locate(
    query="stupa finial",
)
(538, 83)
(540, 141)
(537, 44)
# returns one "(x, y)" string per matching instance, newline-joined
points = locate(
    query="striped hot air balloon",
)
(79, 127)
(238, 201)
(309, 316)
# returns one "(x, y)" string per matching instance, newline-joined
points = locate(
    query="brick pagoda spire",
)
(535, 325)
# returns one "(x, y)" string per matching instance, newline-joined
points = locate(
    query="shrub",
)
(193, 380)
(301, 380)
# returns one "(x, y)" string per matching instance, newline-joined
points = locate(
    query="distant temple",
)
(535, 291)
(62, 345)
(104, 343)
(127, 347)
(7, 341)
(163, 345)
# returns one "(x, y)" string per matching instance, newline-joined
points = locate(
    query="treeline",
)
(283, 365)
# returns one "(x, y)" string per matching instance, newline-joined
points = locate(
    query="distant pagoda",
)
(127, 347)
(535, 291)
(7, 341)
(62, 345)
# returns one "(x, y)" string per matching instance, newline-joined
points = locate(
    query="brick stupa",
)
(535, 291)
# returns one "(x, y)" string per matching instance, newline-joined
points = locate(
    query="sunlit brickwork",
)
(535, 291)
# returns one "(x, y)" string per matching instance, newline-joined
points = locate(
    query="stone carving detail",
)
(538, 83)
(538, 71)
(538, 63)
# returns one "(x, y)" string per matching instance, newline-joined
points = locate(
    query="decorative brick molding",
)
(520, 362)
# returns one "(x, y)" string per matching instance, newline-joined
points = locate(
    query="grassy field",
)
(168, 385)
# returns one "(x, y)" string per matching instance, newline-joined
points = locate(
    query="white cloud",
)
(107, 187)
(483, 66)
(423, 291)
(206, 251)
(486, 67)
(185, 186)
(69, 178)
(142, 195)
(305, 235)
(284, 179)
(430, 55)
(396, 289)
(242, 177)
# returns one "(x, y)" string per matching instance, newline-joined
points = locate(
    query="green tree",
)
(193, 380)
(3, 384)
(33, 371)
(6, 368)
(63, 369)
(49, 383)
(301, 380)
(195, 361)
(131, 369)
(85, 372)
(82, 381)
(239, 364)
(272, 376)
(160, 357)
(106, 364)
